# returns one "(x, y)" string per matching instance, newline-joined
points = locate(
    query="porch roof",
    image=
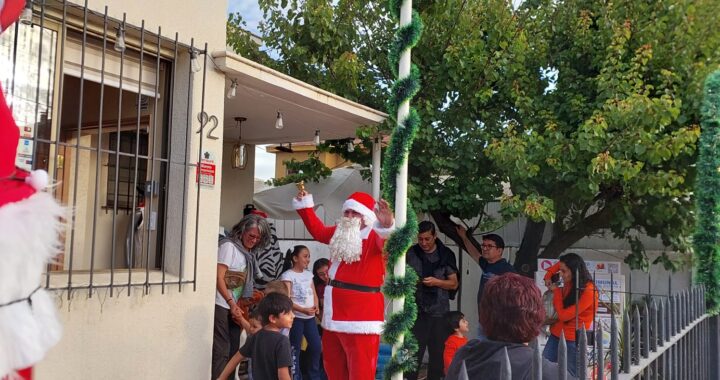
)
(263, 91)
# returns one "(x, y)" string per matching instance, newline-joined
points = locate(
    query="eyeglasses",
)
(252, 237)
(488, 246)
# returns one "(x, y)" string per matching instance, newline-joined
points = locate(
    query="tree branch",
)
(559, 243)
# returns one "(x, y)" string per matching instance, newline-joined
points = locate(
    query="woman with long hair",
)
(321, 278)
(575, 302)
(299, 282)
(234, 284)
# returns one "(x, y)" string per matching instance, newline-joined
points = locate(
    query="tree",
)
(611, 145)
(587, 109)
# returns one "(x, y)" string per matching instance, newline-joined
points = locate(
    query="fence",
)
(660, 337)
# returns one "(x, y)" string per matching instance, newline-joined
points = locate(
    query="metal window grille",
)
(113, 129)
(126, 170)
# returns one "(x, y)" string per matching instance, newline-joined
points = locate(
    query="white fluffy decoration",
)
(346, 243)
(29, 232)
(38, 179)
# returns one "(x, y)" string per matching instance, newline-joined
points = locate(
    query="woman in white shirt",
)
(234, 282)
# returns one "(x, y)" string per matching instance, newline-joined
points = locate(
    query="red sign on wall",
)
(206, 173)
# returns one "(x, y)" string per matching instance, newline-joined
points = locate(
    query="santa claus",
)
(353, 316)
(30, 221)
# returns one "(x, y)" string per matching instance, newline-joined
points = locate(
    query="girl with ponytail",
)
(299, 281)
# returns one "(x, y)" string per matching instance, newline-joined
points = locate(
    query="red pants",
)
(350, 356)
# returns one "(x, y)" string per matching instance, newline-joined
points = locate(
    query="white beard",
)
(346, 243)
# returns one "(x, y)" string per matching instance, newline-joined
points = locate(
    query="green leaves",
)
(707, 233)
(310, 170)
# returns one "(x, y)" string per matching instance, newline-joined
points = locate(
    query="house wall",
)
(237, 188)
(154, 335)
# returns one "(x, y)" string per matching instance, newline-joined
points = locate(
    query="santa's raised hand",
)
(384, 214)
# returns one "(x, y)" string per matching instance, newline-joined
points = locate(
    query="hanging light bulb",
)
(27, 14)
(120, 39)
(316, 140)
(350, 146)
(233, 89)
(239, 152)
(194, 61)
(279, 121)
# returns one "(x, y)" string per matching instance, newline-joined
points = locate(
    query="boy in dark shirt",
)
(268, 348)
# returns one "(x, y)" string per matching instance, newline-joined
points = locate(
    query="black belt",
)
(359, 288)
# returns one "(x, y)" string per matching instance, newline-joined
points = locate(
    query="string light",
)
(120, 39)
(194, 61)
(279, 121)
(233, 89)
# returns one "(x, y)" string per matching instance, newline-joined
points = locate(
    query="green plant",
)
(707, 232)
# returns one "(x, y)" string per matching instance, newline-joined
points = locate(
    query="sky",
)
(250, 11)
(264, 161)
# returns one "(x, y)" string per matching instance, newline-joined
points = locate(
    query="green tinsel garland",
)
(400, 323)
(707, 233)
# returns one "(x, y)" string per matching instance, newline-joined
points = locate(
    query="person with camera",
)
(575, 301)
(436, 266)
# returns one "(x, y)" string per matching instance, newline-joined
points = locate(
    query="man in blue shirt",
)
(490, 258)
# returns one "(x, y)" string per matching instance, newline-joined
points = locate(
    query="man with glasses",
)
(490, 259)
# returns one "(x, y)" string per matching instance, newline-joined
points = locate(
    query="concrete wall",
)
(237, 188)
(154, 335)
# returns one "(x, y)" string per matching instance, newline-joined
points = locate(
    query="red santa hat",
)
(9, 12)
(30, 223)
(362, 203)
(15, 184)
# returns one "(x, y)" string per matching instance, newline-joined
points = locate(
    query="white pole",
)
(401, 179)
(376, 150)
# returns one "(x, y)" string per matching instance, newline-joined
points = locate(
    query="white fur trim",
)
(38, 179)
(365, 232)
(305, 202)
(352, 327)
(356, 206)
(29, 231)
(382, 231)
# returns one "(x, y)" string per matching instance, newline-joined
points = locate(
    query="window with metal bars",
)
(130, 171)
(111, 124)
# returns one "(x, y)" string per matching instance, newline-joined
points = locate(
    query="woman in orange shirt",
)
(575, 297)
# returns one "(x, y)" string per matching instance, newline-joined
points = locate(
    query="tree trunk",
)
(448, 227)
(560, 242)
(526, 258)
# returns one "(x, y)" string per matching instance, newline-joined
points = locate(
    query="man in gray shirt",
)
(436, 266)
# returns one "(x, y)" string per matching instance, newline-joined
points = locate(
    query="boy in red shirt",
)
(458, 328)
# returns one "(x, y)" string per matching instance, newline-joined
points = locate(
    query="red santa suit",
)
(30, 222)
(353, 316)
